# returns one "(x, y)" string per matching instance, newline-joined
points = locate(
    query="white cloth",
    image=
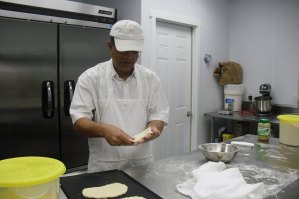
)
(126, 108)
(213, 181)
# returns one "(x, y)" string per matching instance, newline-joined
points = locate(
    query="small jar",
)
(263, 129)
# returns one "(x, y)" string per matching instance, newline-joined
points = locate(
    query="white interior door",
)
(173, 65)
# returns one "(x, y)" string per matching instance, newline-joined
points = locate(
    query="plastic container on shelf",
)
(30, 178)
(233, 96)
(289, 129)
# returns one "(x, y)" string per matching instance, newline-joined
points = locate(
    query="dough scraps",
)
(142, 134)
(106, 191)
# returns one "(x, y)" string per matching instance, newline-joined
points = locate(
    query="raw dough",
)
(134, 197)
(142, 134)
(106, 191)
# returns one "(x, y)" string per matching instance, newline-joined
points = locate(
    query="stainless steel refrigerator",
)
(39, 66)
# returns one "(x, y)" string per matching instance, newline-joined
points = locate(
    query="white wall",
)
(264, 39)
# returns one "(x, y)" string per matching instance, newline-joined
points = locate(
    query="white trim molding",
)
(158, 15)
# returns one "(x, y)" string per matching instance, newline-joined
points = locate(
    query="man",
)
(117, 99)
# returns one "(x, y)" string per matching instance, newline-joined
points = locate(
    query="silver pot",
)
(219, 151)
(263, 104)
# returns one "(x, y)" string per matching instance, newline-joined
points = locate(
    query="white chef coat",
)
(102, 96)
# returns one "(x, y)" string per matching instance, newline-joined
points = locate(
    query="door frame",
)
(158, 15)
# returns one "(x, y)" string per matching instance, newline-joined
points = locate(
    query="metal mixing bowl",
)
(263, 104)
(219, 151)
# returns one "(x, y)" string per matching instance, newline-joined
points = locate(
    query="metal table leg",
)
(212, 129)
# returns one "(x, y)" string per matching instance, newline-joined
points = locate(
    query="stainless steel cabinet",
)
(39, 65)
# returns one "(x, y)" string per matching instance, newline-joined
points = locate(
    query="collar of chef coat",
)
(116, 76)
(119, 91)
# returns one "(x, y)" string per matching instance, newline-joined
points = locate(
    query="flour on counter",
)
(273, 180)
(177, 170)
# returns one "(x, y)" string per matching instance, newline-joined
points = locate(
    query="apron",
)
(130, 116)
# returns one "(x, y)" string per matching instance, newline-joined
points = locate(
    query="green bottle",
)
(263, 129)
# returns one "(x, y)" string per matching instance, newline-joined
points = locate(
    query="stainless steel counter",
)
(275, 164)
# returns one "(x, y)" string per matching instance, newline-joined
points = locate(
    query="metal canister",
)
(263, 129)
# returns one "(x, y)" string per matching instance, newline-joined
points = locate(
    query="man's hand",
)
(156, 127)
(150, 136)
(116, 137)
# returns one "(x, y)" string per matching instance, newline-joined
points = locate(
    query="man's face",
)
(123, 62)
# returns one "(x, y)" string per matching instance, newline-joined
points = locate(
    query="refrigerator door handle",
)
(48, 103)
(69, 88)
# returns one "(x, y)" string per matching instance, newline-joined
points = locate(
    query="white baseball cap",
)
(128, 36)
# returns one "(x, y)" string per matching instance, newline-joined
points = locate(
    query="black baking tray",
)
(73, 185)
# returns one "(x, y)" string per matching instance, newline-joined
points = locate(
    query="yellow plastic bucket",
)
(289, 129)
(30, 178)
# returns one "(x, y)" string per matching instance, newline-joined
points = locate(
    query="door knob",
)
(189, 114)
